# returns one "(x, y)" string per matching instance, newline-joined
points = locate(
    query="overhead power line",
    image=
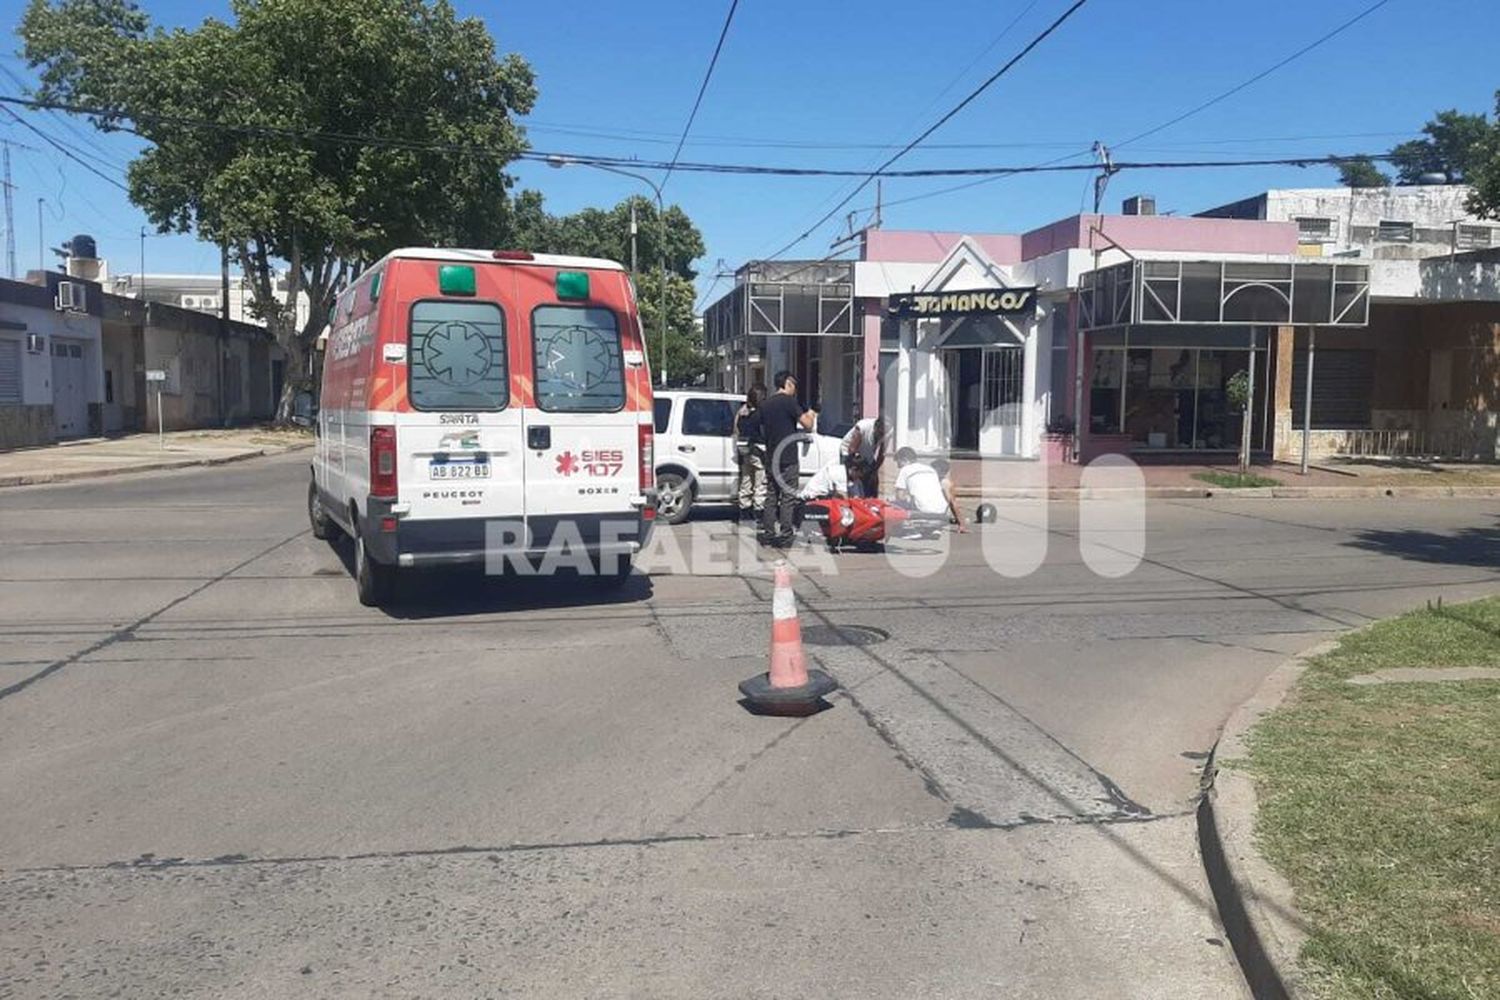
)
(972, 96)
(751, 169)
(1257, 77)
(702, 88)
(1217, 98)
(920, 116)
(66, 151)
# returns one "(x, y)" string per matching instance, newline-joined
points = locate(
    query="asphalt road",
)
(220, 776)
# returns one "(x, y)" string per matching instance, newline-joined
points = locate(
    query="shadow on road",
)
(1467, 547)
(460, 591)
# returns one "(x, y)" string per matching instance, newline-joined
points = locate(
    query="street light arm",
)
(655, 187)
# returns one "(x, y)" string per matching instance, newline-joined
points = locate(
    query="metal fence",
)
(1469, 444)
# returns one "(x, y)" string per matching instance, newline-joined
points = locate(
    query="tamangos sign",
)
(977, 302)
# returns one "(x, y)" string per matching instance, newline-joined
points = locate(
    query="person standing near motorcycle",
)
(863, 453)
(749, 454)
(782, 422)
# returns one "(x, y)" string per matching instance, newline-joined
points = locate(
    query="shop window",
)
(1395, 232)
(1104, 391)
(1061, 382)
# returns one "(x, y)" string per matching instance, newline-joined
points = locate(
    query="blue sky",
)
(619, 79)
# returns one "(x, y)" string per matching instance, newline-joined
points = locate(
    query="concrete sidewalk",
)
(1000, 480)
(144, 453)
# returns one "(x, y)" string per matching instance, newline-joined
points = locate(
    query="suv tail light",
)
(647, 441)
(383, 462)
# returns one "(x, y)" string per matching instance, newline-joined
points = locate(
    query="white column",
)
(903, 382)
(1030, 384)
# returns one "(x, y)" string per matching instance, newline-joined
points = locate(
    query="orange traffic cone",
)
(788, 688)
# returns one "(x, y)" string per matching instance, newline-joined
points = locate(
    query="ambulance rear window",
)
(576, 352)
(457, 358)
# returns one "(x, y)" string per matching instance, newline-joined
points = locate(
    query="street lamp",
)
(661, 217)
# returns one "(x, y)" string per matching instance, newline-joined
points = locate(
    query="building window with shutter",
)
(1395, 232)
(1314, 229)
(1475, 237)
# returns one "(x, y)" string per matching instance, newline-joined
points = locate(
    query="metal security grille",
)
(1342, 381)
(10, 371)
(1004, 382)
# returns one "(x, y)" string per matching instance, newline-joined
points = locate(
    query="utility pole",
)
(632, 239)
(223, 324)
(142, 293)
(9, 216)
(41, 244)
(1107, 170)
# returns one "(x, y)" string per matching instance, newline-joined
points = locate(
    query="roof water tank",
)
(83, 245)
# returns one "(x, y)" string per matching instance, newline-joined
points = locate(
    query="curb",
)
(1248, 493)
(1254, 900)
(43, 478)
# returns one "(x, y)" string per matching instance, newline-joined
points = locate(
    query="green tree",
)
(1484, 172)
(1453, 147)
(1362, 173)
(598, 232)
(686, 359)
(424, 90)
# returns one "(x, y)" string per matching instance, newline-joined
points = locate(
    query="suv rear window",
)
(576, 355)
(661, 414)
(709, 417)
(457, 357)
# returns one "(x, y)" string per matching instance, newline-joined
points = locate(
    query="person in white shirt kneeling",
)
(920, 488)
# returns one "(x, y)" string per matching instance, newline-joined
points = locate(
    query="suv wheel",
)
(674, 497)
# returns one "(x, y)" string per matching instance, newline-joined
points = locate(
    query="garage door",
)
(10, 372)
(70, 401)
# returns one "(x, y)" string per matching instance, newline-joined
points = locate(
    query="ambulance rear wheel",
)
(322, 526)
(375, 582)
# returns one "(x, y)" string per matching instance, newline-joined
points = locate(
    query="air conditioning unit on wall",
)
(70, 296)
(36, 343)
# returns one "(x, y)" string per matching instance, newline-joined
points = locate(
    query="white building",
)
(204, 293)
(52, 379)
(1387, 223)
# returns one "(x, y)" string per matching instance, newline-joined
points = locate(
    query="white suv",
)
(695, 461)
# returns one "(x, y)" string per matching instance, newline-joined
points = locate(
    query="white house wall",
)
(31, 421)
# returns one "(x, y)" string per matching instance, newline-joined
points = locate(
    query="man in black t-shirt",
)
(782, 421)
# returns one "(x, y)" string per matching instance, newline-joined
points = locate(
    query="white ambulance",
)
(485, 407)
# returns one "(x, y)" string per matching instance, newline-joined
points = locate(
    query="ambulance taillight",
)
(647, 441)
(383, 483)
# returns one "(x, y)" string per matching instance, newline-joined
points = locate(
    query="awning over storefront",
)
(1224, 292)
(785, 299)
